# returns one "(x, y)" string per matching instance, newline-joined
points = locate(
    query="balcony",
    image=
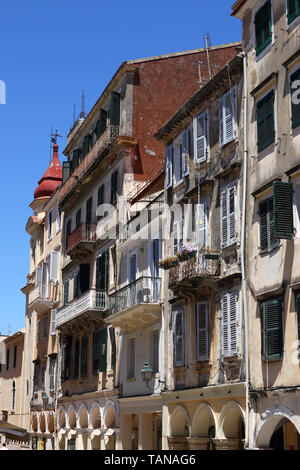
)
(203, 266)
(137, 305)
(81, 242)
(80, 311)
(43, 297)
(107, 138)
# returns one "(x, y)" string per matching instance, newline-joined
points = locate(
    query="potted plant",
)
(168, 262)
(186, 252)
(210, 254)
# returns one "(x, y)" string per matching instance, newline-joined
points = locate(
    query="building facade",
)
(271, 45)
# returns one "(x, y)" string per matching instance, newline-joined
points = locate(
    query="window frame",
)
(291, 18)
(265, 355)
(262, 100)
(259, 49)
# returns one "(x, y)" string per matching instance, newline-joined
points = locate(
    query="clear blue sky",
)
(49, 52)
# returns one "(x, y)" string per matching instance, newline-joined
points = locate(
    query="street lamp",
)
(147, 375)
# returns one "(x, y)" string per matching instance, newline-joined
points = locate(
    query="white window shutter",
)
(224, 218)
(232, 214)
(179, 336)
(169, 167)
(200, 138)
(225, 324)
(230, 324)
(177, 163)
(227, 117)
(185, 152)
(38, 277)
(54, 266)
(53, 322)
(176, 236)
(202, 331)
(201, 224)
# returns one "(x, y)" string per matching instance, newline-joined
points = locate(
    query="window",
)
(76, 359)
(66, 171)
(68, 231)
(114, 187)
(51, 373)
(200, 223)
(185, 151)
(131, 358)
(112, 336)
(43, 381)
(101, 123)
(230, 324)
(53, 322)
(7, 359)
(13, 395)
(265, 122)
(15, 356)
(202, 331)
(66, 359)
(88, 217)
(169, 166)
(263, 27)
(45, 324)
(227, 117)
(76, 159)
(115, 102)
(228, 216)
(268, 240)
(66, 292)
(102, 271)
(177, 236)
(78, 218)
(177, 163)
(283, 210)
(101, 195)
(50, 216)
(154, 352)
(36, 377)
(295, 98)
(58, 219)
(179, 336)
(99, 350)
(83, 356)
(293, 10)
(200, 137)
(76, 286)
(271, 329)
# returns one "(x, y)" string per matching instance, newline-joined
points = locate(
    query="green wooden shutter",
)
(113, 347)
(265, 122)
(66, 171)
(76, 158)
(96, 352)
(293, 10)
(115, 109)
(66, 292)
(268, 239)
(263, 27)
(295, 98)
(272, 333)
(297, 302)
(102, 349)
(283, 210)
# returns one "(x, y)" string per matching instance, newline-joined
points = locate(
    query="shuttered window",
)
(53, 322)
(54, 265)
(88, 209)
(99, 350)
(112, 336)
(169, 166)
(268, 240)
(283, 210)
(75, 159)
(68, 231)
(230, 324)
(78, 218)
(202, 331)
(177, 236)
(102, 271)
(263, 27)
(66, 292)
(83, 356)
(295, 98)
(131, 358)
(228, 216)
(114, 187)
(200, 223)
(179, 336)
(293, 10)
(76, 358)
(115, 101)
(66, 171)
(66, 354)
(297, 302)
(101, 123)
(227, 117)
(271, 329)
(200, 137)
(185, 151)
(265, 122)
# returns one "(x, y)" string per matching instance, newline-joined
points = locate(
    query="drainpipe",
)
(243, 254)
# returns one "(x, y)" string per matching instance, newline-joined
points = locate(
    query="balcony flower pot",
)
(186, 252)
(169, 262)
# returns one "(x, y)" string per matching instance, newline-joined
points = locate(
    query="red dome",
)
(52, 177)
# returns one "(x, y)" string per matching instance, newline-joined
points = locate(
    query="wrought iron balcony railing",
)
(202, 265)
(91, 300)
(145, 290)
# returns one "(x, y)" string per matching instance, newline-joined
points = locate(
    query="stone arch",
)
(269, 422)
(180, 424)
(95, 416)
(83, 416)
(61, 418)
(42, 422)
(232, 420)
(109, 416)
(51, 423)
(203, 420)
(72, 417)
(34, 423)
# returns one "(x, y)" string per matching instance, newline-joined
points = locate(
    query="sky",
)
(49, 52)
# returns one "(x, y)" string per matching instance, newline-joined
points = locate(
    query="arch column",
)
(145, 431)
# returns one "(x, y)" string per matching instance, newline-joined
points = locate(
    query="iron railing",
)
(142, 291)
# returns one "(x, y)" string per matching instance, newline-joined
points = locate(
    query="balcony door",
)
(45, 279)
(154, 255)
(131, 277)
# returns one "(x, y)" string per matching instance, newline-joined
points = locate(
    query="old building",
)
(43, 291)
(11, 372)
(205, 404)
(271, 45)
(112, 156)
